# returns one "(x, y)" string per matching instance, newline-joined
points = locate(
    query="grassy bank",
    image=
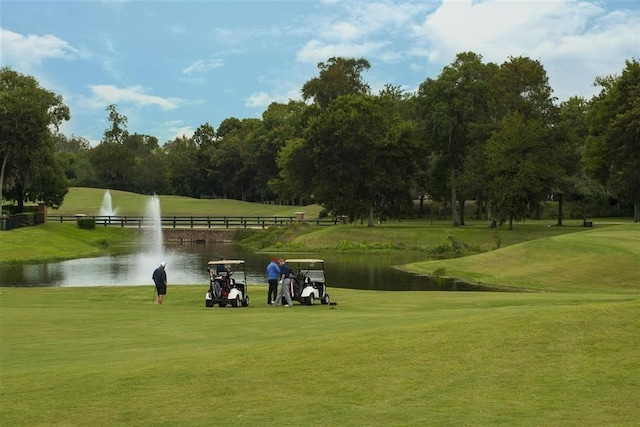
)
(108, 356)
(599, 260)
(54, 242)
(89, 200)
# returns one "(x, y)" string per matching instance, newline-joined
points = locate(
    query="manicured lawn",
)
(108, 356)
(88, 201)
(563, 355)
(604, 259)
(54, 241)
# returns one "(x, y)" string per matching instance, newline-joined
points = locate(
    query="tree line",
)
(491, 133)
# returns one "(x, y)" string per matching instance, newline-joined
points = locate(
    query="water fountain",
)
(107, 209)
(152, 252)
(154, 242)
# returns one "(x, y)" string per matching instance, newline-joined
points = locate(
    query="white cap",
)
(163, 264)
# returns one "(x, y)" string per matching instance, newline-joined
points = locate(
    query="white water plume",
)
(107, 207)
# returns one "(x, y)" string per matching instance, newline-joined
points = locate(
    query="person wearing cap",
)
(273, 275)
(160, 279)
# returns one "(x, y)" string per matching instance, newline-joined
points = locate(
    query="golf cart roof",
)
(226, 262)
(306, 260)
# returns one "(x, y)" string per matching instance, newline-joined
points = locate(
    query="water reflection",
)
(187, 265)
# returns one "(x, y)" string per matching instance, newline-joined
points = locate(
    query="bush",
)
(87, 223)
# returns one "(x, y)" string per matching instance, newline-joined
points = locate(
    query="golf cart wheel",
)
(325, 299)
(245, 302)
(310, 300)
(236, 302)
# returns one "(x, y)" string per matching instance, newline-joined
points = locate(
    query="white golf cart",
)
(225, 289)
(308, 282)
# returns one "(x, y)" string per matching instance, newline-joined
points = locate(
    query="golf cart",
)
(224, 289)
(308, 282)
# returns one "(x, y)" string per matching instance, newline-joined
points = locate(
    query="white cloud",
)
(499, 29)
(258, 100)
(344, 31)
(177, 29)
(362, 18)
(203, 65)
(108, 94)
(316, 51)
(177, 129)
(30, 50)
(574, 40)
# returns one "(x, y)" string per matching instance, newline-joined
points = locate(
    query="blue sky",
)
(171, 66)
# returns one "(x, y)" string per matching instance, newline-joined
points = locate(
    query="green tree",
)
(280, 123)
(520, 161)
(114, 165)
(570, 135)
(338, 76)
(612, 154)
(27, 113)
(363, 158)
(449, 107)
(182, 166)
(116, 159)
(117, 132)
(296, 171)
(521, 101)
(228, 173)
(71, 154)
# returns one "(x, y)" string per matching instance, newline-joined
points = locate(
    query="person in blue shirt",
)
(285, 279)
(273, 275)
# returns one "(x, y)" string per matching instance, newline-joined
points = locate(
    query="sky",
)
(171, 66)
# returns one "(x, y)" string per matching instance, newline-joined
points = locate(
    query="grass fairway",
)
(600, 260)
(564, 356)
(109, 356)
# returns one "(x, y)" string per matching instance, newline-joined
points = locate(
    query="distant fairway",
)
(88, 201)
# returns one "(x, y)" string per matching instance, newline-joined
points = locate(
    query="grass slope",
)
(598, 260)
(109, 356)
(89, 200)
(53, 242)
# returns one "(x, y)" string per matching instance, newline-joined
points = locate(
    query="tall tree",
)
(521, 163)
(449, 106)
(114, 161)
(117, 132)
(569, 137)
(338, 76)
(71, 153)
(114, 165)
(363, 157)
(27, 113)
(182, 166)
(613, 148)
(521, 101)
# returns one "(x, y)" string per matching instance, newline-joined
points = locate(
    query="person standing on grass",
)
(273, 275)
(285, 279)
(160, 280)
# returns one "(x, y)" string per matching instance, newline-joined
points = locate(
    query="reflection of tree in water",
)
(37, 275)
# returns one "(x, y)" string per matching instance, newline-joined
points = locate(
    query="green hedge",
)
(87, 223)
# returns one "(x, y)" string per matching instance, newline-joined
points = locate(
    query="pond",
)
(187, 265)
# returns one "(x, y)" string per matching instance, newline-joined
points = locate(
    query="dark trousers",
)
(273, 290)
